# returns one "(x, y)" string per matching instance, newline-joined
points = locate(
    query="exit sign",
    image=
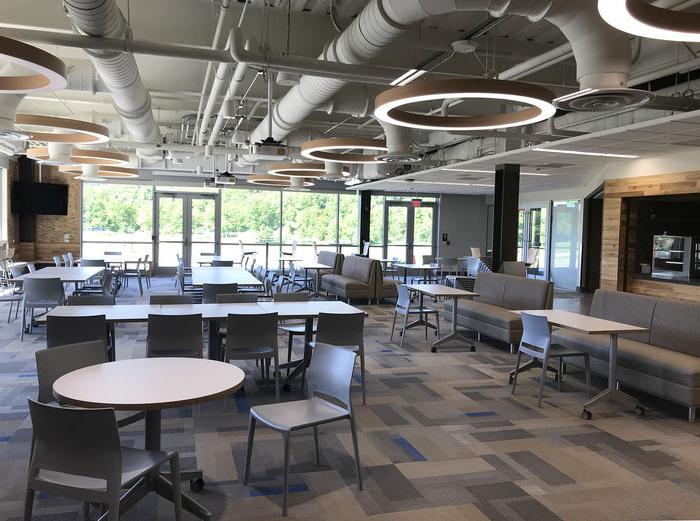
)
(416, 202)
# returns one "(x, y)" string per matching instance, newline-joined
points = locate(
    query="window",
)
(117, 218)
(348, 220)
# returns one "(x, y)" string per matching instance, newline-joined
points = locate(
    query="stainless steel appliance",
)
(671, 258)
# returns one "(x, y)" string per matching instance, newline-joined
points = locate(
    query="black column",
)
(365, 203)
(505, 215)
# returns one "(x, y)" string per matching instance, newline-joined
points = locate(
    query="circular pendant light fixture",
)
(340, 150)
(85, 172)
(62, 130)
(82, 156)
(297, 169)
(268, 180)
(390, 104)
(103, 172)
(45, 72)
(643, 19)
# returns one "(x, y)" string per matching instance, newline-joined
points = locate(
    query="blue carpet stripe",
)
(480, 413)
(409, 449)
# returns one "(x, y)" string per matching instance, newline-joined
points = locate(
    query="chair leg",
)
(393, 325)
(24, 324)
(285, 480)
(277, 377)
(317, 446)
(437, 322)
(113, 510)
(249, 448)
(28, 504)
(177, 493)
(545, 364)
(362, 373)
(403, 331)
(587, 365)
(289, 350)
(515, 375)
(9, 314)
(560, 373)
(356, 450)
(138, 278)
(86, 511)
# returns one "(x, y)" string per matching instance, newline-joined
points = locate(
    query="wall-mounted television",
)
(39, 198)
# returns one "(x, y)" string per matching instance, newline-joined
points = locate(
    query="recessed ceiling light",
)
(389, 104)
(644, 19)
(583, 153)
(45, 72)
(337, 150)
(542, 174)
(62, 130)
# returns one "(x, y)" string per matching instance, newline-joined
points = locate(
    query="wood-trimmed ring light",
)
(268, 180)
(103, 172)
(66, 130)
(48, 73)
(83, 156)
(297, 169)
(389, 104)
(643, 19)
(337, 150)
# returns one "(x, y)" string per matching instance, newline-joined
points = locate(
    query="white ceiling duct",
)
(398, 141)
(8, 112)
(60, 153)
(118, 70)
(603, 54)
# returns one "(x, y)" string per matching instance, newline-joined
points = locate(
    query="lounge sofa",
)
(489, 314)
(329, 258)
(664, 361)
(357, 279)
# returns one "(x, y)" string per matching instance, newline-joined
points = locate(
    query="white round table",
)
(151, 384)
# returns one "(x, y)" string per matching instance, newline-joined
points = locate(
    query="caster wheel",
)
(639, 410)
(196, 485)
(586, 414)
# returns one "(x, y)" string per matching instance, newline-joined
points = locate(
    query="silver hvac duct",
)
(118, 70)
(602, 53)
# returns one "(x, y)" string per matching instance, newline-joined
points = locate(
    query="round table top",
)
(148, 383)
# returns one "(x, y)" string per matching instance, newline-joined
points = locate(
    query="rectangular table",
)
(66, 274)
(206, 260)
(423, 268)
(440, 290)
(313, 266)
(223, 275)
(591, 326)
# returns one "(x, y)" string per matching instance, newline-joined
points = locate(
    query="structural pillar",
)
(365, 203)
(505, 215)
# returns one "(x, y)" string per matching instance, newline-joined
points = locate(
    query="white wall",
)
(463, 219)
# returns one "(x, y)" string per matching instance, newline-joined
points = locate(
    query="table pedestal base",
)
(454, 335)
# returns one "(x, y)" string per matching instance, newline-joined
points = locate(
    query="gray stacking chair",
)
(171, 299)
(330, 376)
(40, 293)
(343, 330)
(77, 454)
(136, 272)
(254, 337)
(222, 263)
(103, 287)
(31, 267)
(210, 291)
(292, 328)
(91, 300)
(175, 335)
(72, 330)
(537, 343)
(404, 308)
(517, 269)
(51, 364)
(58, 261)
(236, 298)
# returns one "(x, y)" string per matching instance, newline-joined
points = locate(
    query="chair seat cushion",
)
(241, 353)
(289, 416)
(489, 314)
(637, 356)
(298, 328)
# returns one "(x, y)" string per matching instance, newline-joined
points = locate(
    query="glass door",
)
(187, 225)
(533, 239)
(409, 231)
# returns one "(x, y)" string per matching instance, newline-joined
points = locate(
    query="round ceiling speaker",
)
(646, 20)
(268, 180)
(62, 130)
(344, 150)
(297, 169)
(44, 72)
(604, 100)
(390, 105)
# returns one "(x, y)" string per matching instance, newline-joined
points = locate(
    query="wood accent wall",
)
(49, 230)
(617, 223)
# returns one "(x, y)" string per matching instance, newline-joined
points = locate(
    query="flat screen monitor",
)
(40, 198)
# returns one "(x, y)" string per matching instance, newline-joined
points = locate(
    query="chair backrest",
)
(222, 263)
(251, 331)
(252, 263)
(330, 374)
(341, 329)
(210, 291)
(515, 268)
(31, 267)
(67, 260)
(536, 338)
(43, 291)
(236, 298)
(476, 251)
(58, 261)
(72, 330)
(51, 364)
(365, 248)
(15, 271)
(92, 263)
(71, 259)
(91, 300)
(403, 300)
(427, 259)
(81, 442)
(106, 282)
(174, 335)
(532, 255)
(301, 296)
(171, 299)
(473, 264)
